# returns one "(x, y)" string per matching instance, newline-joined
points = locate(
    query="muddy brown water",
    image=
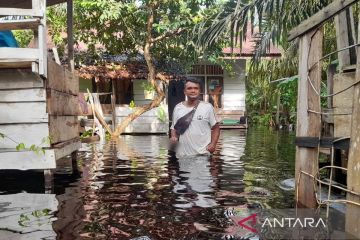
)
(133, 188)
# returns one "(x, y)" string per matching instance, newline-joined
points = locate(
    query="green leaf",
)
(20, 146)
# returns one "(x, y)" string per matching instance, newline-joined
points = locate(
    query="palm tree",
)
(273, 18)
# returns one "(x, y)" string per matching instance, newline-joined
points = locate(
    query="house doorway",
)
(215, 85)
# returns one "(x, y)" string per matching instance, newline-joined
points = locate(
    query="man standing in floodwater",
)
(194, 124)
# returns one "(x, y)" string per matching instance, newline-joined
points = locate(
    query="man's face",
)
(192, 90)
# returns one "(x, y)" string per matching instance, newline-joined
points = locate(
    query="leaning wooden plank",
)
(19, 24)
(67, 149)
(24, 133)
(19, 79)
(63, 128)
(23, 112)
(20, 12)
(18, 54)
(318, 18)
(61, 79)
(23, 95)
(25, 160)
(62, 104)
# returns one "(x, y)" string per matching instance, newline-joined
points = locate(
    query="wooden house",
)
(120, 85)
(38, 97)
(226, 89)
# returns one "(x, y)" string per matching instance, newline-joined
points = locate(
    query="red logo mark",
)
(251, 218)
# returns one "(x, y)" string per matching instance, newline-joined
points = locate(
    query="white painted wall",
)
(234, 86)
(139, 98)
(149, 122)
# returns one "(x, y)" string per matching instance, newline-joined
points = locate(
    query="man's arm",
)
(215, 133)
(174, 138)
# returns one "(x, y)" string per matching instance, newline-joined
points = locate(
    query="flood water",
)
(133, 188)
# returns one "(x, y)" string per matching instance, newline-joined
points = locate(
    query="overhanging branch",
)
(167, 34)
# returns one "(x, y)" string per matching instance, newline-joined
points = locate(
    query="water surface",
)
(133, 187)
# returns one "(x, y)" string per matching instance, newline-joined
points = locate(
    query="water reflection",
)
(194, 186)
(133, 187)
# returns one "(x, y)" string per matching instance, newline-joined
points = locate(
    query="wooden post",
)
(330, 83)
(308, 123)
(353, 173)
(342, 39)
(48, 180)
(277, 119)
(75, 169)
(113, 103)
(70, 35)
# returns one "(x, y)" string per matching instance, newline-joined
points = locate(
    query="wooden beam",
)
(353, 177)
(318, 18)
(26, 3)
(20, 12)
(308, 124)
(19, 54)
(19, 24)
(25, 160)
(63, 128)
(324, 142)
(66, 148)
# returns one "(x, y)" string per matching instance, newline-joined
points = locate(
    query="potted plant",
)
(149, 90)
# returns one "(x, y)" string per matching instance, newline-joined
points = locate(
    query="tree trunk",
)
(151, 78)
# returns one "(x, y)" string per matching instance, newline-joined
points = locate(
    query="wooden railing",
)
(35, 19)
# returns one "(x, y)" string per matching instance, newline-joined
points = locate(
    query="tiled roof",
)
(248, 47)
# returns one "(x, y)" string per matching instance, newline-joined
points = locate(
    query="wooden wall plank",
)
(19, 24)
(26, 160)
(61, 79)
(24, 112)
(63, 128)
(62, 104)
(24, 133)
(342, 39)
(353, 174)
(19, 79)
(343, 103)
(308, 124)
(23, 95)
(315, 20)
(19, 54)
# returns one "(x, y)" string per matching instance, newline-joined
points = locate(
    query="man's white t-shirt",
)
(196, 138)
